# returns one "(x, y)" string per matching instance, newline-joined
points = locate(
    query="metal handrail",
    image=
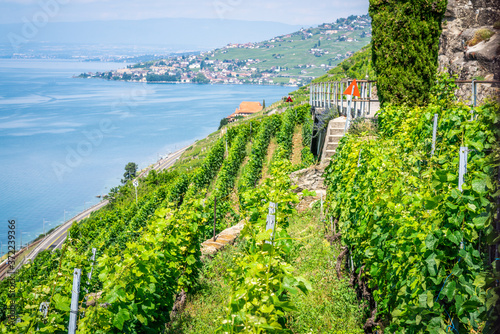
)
(328, 93)
(478, 81)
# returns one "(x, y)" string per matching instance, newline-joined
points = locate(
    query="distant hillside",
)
(291, 59)
(307, 52)
(358, 66)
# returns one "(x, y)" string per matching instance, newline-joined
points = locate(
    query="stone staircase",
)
(335, 132)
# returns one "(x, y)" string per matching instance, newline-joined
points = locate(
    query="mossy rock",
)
(480, 35)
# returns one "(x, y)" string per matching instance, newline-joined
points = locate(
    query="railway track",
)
(58, 236)
(4, 266)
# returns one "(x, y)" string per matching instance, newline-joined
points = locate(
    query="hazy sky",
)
(298, 12)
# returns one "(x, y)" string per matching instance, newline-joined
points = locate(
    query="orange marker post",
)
(352, 90)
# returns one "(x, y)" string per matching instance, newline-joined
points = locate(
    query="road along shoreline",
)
(56, 238)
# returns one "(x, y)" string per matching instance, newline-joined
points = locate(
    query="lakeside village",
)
(205, 67)
(195, 69)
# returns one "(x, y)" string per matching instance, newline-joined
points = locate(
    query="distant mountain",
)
(181, 34)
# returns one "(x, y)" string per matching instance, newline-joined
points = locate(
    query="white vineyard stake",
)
(44, 308)
(135, 184)
(271, 221)
(434, 134)
(462, 169)
(73, 315)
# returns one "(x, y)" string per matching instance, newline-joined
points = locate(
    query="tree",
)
(263, 104)
(130, 172)
(223, 122)
(405, 47)
(201, 78)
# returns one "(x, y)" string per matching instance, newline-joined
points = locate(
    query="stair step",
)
(334, 139)
(331, 146)
(329, 154)
(337, 125)
(335, 131)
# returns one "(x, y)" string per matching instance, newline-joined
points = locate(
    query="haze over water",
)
(65, 140)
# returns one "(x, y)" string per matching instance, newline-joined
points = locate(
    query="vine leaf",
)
(120, 318)
(62, 303)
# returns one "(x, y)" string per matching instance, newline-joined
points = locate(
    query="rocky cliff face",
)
(470, 45)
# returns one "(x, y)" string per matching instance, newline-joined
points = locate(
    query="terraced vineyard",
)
(396, 247)
(148, 251)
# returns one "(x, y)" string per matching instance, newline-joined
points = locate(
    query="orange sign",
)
(352, 89)
(289, 99)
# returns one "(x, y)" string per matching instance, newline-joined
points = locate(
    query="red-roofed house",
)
(245, 109)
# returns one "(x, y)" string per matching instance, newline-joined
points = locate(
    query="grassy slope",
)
(206, 305)
(331, 307)
(195, 154)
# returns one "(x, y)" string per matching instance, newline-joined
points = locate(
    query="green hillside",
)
(402, 236)
(293, 59)
(294, 54)
(358, 66)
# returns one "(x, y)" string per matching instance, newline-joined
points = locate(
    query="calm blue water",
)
(65, 140)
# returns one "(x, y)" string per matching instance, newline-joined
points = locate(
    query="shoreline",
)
(184, 83)
(33, 234)
(160, 165)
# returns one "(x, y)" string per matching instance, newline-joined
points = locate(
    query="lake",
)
(66, 140)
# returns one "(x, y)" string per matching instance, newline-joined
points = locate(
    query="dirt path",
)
(235, 201)
(267, 159)
(297, 145)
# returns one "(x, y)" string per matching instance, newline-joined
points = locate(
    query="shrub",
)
(363, 126)
(405, 48)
